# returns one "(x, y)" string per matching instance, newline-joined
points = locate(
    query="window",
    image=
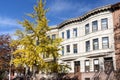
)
(87, 66)
(105, 42)
(95, 44)
(87, 46)
(96, 65)
(74, 48)
(94, 26)
(87, 78)
(76, 66)
(104, 23)
(62, 50)
(53, 36)
(87, 29)
(63, 35)
(48, 37)
(68, 34)
(68, 48)
(75, 32)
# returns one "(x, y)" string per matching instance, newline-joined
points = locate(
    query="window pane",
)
(105, 42)
(96, 65)
(87, 63)
(96, 61)
(94, 26)
(68, 34)
(77, 63)
(76, 66)
(95, 44)
(87, 66)
(68, 48)
(63, 35)
(104, 23)
(86, 28)
(75, 32)
(74, 48)
(87, 78)
(62, 50)
(87, 46)
(53, 36)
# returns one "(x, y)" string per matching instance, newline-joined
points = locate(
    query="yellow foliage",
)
(33, 42)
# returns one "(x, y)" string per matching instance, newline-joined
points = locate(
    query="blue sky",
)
(59, 10)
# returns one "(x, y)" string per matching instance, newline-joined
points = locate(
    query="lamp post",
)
(11, 57)
(10, 71)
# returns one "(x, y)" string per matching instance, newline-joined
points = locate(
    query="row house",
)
(91, 43)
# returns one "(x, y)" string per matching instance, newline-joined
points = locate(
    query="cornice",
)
(110, 8)
(85, 16)
(90, 13)
(115, 7)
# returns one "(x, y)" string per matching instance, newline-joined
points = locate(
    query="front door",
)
(76, 66)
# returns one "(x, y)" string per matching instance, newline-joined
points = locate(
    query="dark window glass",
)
(74, 48)
(62, 50)
(68, 34)
(48, 37)
(87, 46)
(87, 78)
(95, 26)
(63, 35)
(87, 30)
(53, 36)
(76, 66)
(68, 48)
(95, 44)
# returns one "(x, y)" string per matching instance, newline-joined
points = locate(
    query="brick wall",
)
(116, 21)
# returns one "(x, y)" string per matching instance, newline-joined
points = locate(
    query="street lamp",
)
(11, 57)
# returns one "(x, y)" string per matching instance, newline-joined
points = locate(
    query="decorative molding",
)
(110, 8)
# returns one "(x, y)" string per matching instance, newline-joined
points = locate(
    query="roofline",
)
(88, 14)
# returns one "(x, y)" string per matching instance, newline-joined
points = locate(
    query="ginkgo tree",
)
(34, 43)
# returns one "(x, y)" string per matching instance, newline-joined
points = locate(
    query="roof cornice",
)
(81, 18)
(115, 6)
(90, 13)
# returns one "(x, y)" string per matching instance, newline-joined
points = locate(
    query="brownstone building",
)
(116, 22)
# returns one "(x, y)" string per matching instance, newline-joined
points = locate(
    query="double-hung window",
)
(75, 48)
(87, 29)
(104, 23)
(105, 42)
(94, 26)
(68, 48)
(75, 32)
(68, 34)
(87, 46)
(95, 44)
